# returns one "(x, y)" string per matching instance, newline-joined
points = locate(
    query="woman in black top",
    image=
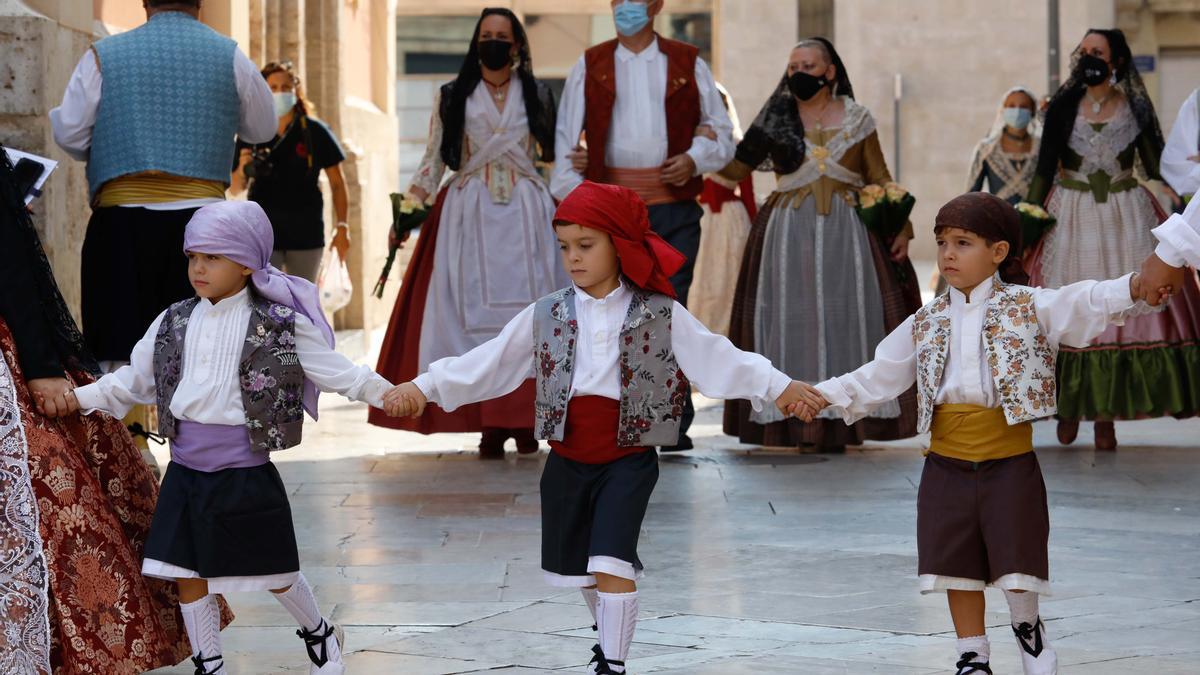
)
(283, 174)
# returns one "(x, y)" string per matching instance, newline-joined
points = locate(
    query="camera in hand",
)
(260, 165)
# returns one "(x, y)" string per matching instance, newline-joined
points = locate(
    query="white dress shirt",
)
(1179, 237)
(1072, 315)
(714, 366)
(637, 138)
(74, 120)
(209, 390)
(1180, 172)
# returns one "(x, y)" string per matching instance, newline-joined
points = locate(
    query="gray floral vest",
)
(653, 388)
(1020, 358)
(270, 374)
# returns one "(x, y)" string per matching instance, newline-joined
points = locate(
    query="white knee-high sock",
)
(1023, 607)
(616, 618)
(590, 597)
(300, 602)
(302, 605)
(202, 620)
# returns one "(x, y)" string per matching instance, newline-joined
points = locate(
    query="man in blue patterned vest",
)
(153, 112)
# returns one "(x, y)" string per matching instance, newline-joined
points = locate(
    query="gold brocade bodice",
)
(824, 188)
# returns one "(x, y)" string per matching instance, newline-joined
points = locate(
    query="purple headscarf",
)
(242, 232)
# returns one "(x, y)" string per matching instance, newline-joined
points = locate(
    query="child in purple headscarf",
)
(233, 370)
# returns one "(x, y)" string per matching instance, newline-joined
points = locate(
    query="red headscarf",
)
(646, 259)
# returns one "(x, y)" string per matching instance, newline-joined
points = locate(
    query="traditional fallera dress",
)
(1150, 366)
(487, 250)
(817, 291)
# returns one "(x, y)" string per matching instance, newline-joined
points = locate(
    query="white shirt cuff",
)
(778, 384)
(425, 383)
(373, 391)
(1117, 296)
(1165, 250)
(90, 398)
(834, 393)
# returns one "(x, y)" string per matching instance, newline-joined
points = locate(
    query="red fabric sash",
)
(591, 431)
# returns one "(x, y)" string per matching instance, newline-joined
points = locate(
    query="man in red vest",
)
(647, 108)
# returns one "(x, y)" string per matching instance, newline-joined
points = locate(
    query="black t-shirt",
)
(290, 194)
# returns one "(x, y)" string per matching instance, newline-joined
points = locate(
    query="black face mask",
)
(804, 86)
(1092, 70)
(495, 54)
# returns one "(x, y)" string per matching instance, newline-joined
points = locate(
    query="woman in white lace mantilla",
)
(817, 290)
(1100, 141)
(488, 249)
(1005, 160)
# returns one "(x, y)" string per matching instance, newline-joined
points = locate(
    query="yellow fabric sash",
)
(156, 188)
(974, 433)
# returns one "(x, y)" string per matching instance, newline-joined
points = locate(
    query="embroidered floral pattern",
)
(1019, 357)
(270, 374)
(555, 358)
(653, 388)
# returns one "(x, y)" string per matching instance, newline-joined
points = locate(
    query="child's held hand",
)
(802, 400)
(54, 396)
(405, 400)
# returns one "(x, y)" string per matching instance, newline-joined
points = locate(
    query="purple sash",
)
(213, 447)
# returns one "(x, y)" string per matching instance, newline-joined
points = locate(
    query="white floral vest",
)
(1021, 359)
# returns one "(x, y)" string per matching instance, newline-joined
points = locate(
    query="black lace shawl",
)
(48, 341)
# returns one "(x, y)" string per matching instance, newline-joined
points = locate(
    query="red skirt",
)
(400, 355)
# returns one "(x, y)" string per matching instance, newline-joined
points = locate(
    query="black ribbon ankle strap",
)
(1030, 634)
(200, 660)
(136, 429)
(313, 639)
(968, 661)
(604, 665)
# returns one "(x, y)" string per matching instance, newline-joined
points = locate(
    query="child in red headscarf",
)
(613, 355)
(982, 357)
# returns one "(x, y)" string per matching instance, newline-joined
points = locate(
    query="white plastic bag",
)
(334, 282)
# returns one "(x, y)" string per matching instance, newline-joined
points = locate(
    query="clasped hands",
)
(404, 400)
(54, 396)
(1157, 281)
(801, 400)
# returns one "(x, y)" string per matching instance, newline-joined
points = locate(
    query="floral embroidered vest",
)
(270, 374)
(653, 388)
(1021, 359)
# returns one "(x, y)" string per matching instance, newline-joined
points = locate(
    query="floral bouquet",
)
(884, 210)
(1035, 221)
(408, 213)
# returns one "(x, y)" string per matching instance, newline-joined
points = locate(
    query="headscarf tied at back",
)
(646, 258)
(993, 219)
(241, 231)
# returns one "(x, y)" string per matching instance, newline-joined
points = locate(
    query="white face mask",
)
(1017, 118)
(284, 102)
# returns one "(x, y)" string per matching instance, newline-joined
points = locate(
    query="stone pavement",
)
(757, 562)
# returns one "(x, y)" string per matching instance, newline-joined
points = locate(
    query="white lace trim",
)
(857, 125)
(24, 579)
(1099, 149)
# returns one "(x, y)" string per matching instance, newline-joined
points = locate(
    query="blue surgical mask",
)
(1017, 118)
(284, 102)
(630, 17)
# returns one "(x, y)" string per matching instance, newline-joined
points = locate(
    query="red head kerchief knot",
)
(646, 259)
